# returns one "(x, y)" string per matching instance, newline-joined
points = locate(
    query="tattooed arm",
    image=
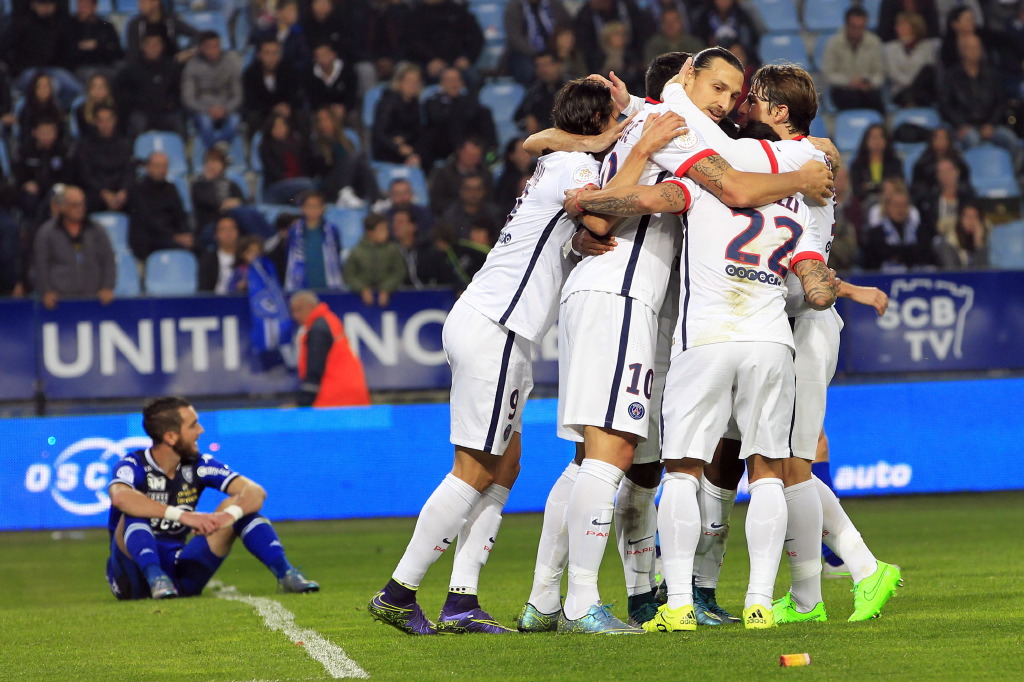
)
(632, 200)
(819, 283)
(741, 189)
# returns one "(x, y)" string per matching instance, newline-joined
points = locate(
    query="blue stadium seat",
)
(210, 21)
(370, 99)
(5, 159)
(850, 126)
(236, 155)
(992, 173)
(872, 7)
(171, 272)
(507, 131)
(388, 172)
(819, 128)
(255, 162)
(491, 56)
(1006, 246)
(819, 50)
(491, 17)
(778, 15)
(502, 97)
(783, 47)
(349, 222)
(353, 136)
(271, 211)
(73, 115)
(926, 117)
(910, 154)
(127, 275)
(241, 29)
(184, 190)
(170, 144)
(824, 15)
(239, 178)
(116, 225)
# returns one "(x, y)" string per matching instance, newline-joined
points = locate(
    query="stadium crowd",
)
(378, 143)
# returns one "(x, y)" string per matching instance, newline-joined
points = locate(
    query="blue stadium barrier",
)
(171, 272)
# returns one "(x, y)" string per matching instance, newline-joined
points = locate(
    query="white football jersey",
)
(733, 269)
(518, 285)
(640, 264)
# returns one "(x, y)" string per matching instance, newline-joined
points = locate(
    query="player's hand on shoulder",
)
(826, 147)
(598, 143)
(818, 182)
(659, 130)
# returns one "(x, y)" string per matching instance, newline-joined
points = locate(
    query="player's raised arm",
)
(133, 503)
(871, 296)
(632, 200)
(555, 140)
(819, 283)
(744, 190)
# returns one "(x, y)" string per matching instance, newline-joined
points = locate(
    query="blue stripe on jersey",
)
(533, 263)
(620, 362)
(686, 279)
(499, 394)
(638, 245)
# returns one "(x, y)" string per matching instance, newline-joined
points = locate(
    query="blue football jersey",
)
(140, 471)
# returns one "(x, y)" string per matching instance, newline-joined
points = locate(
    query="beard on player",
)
(188, 452)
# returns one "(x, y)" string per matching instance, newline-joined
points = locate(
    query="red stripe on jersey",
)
(806, 255)
(651, 100)
(800, 137)
(689, 200)
(771, 155)
(688, 164)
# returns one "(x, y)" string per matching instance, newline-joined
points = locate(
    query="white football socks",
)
(715, 509)
(803, 544)
(477, 538)
(766, 533)
(590, 522)
(842, 536)
(636, 523)
(553, 548)
(679, 528)
(440, 521)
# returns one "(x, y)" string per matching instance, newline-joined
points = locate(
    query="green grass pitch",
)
(960, 613)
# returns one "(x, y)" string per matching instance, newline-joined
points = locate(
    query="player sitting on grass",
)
(153, 498)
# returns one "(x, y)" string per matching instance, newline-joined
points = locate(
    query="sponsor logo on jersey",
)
(752, 275)
(636, 410)
(881, 475)
(156, 482)
(205, 471)
(931, 315)
(584, 175)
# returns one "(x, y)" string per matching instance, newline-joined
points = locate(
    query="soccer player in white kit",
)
(488, 338)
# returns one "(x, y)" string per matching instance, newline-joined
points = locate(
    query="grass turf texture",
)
(958, 615)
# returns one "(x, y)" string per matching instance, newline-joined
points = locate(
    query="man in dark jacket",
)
(332, 80)
(594, 16)
(148, 89)
(104, 162)
(87, 41)
(158, 219)
(442, 33)
(72, 255)
(39, 165)
(153, 19)
(268, 84)
(32, 39)
(534, 112)
(217, 264)
(972, 99)
(452, 115)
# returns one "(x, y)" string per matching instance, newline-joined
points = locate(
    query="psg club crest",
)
(688, 140)
(636, 411)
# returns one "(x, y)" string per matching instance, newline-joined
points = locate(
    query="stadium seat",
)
(491, 56)
(236, 155)
(116, 225)
(255, 162)
(992, 173)
(388, 172)
(507, 131)
(910, 153)
(127, 275)
(170, 144)
(239, 178)
(850, 126)
(783, 47)
(241, 29)
(349, 222)
(819, 50)
(370, 99)
(171, 272)
(778, 15)
(491, 17)
(824, 15)
(184, 191)
(73, 115)
(1006, 246)
(211, 21)
(353, 136)
(926, 117)
(5, 159)
(271, 211)
(819, 128)
(872, 7)
(502, 98)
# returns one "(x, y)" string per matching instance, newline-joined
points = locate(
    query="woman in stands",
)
(40, 105)
(940, 146)
(397, 127)
(338, 167)
(286, 163)
(967, 246)
(876, 160)
(97, 93)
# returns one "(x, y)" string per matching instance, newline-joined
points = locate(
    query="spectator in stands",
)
(925, 175)
(248, 250)
(966, 245)
(332, 81)
(910, 62)
(446, 181)
(339, 168)
(529, 27)
(853, 64)
(323, 24)
(10, 240)
(534, 113)
(156, 213)
(286, 164)
(443, 33)
(973, 102)
(148, 89)
(329, 372)
(843, 255)
(405, 233)
(40, 105)
(626, 64)
(154, 20)
(98, 93)
(268, 86)
(88, 43)
(567, 53)
(472, 249)
(721, 22)
(940, 207)
(890, 10)
(673, 35)
(515, 171)
(473, 209)
(7, 117)
(438, 264)
(375, 266)
(276, 247)
(401, 198)
(591, 20)
(897, 240)
(286, 30)
(40, 163)
(397, 128)
(876, 160)
(105, 164)
(72, 255)
(961, 21)
(213, 193)
(211, 90)
(385, 36)
(217, 264)
(32, 39)
(452, 114)
(314, 249)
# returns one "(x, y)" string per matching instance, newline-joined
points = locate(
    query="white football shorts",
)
(816, 336)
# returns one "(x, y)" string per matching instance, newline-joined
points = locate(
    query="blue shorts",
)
(190, 566)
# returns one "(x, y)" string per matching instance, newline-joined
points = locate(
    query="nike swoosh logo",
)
(718, 525)
(633, 542)
(790, 539)
(492, 540)
(446, 541)
(596, 523)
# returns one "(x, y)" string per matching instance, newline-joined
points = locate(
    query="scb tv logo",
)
(932, 314)
(78, 478)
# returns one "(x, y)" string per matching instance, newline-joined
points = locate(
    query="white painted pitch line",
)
(276, 617)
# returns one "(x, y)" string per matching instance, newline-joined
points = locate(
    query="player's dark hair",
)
(661, 70)
(162, 415)
(756, 130)
(789, 85)
(855, 11)
(582, 107)
(704, 58)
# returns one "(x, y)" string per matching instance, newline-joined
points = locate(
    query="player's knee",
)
(646, 475)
